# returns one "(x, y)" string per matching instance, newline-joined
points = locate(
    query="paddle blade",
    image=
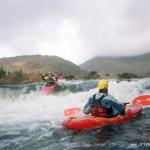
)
(72, 111)
(142, 100)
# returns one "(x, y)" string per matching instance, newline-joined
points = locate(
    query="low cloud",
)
(75, 30)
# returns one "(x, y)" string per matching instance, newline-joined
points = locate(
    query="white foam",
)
(35, 106)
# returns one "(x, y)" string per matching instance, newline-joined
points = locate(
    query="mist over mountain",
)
(39, 63)
(139, 64)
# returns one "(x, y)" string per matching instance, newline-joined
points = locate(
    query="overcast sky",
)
(75, 30)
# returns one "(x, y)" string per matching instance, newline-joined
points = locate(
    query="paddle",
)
(126, 103)
(72, 111)
(143, 100)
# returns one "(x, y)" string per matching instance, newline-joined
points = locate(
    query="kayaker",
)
(49, 76)
(102, 104)
(51, 80)
(60, 76)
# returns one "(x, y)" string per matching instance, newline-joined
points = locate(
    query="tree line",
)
(18, 76)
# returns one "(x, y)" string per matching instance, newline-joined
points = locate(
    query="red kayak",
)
(91, 122)
(49, 89)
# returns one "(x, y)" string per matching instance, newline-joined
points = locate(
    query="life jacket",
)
(97, 109)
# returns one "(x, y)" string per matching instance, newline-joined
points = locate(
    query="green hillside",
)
(139, 65)
(39, 63)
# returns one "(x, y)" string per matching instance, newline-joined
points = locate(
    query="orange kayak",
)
(91, 122)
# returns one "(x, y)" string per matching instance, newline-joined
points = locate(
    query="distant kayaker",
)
(60, 76)
(102, 104)
(49, 78)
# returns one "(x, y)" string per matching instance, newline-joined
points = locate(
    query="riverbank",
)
(19, 77)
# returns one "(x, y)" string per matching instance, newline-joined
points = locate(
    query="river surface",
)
(30, 120)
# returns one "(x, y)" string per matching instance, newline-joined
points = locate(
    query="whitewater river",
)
(30, 120)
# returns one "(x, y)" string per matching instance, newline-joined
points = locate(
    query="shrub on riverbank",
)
(18, 77)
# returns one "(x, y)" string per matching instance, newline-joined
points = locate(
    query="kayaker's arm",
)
(87, 107)
(111, 104)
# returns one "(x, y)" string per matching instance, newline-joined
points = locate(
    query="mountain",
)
(139, 64)
(39, 63)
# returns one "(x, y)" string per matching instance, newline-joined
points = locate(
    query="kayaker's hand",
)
(122, 113)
